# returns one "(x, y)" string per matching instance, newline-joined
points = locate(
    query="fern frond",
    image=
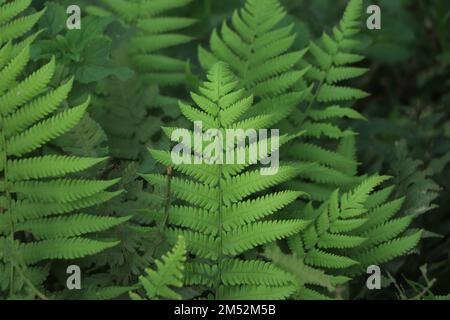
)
(156, 32)
(252, 210)
(61, 190)
(10, 10)
(32, 210)
(169, 273)
(67, 248)
(305, 276)
(15, 28)
(249, 236)
(389, 250)
(15, 66)
(329, 62)
(71, 226)
(34, 189)
(223, 216)
(254, 272)
(259, 53)
(349, 232)
(49, 166)
(36, 110)
(26, 90)
(260, 292)
(45, 131)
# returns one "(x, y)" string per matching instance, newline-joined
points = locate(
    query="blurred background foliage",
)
(408, 135)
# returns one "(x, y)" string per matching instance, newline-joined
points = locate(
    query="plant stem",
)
(4, 161)
(220, 234)
(167, 203)
(218, 280)
(31, 285)
(425, 290)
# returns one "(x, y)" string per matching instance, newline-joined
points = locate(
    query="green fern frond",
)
(138, 108)
(49, 166)
(60, 190)
(103, 293)
(37, 110)
(304, 275)
(12, 25)
(224, 214)
(70, 226)
(259, 53)
(156, 32)
(260, 292)
(169, 273)
(255, 209)
(67, 248)
(26, 209)
(34, 189)
(389, 250)
(350, 232)
(254, 272)
(27, 89)
(330, 62)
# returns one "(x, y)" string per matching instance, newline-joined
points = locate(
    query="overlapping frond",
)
(259, 51)
(331, 62)
(349, 232)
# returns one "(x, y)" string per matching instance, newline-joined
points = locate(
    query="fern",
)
(350, 232)
(306, 277)
(259, 52)
(169, 273)
(87, 138)
(331, 61)
(216, 217)
(358, 228)
(129, 120)
(261, 55)
(35, 191)
(156, 32)
(14, 26)
(132, 119)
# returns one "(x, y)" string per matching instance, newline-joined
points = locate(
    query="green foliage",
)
(361, 179)
(153, 34)
(350, 232)
(14, 26)
(330, 61)
(84, 53)
(169, 273)
(37, 190)
(259, 51)
(131, 129)
(156, 32)
(220, 223)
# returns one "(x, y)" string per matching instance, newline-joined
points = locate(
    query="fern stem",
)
(220, 233)
(319, 86)
(4, 156)
(246, 69)
(311, 103)
(218, 279)
(167, 200)
(425, 290)
(31, 285)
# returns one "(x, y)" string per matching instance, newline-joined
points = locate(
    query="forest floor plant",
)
(206, 218)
